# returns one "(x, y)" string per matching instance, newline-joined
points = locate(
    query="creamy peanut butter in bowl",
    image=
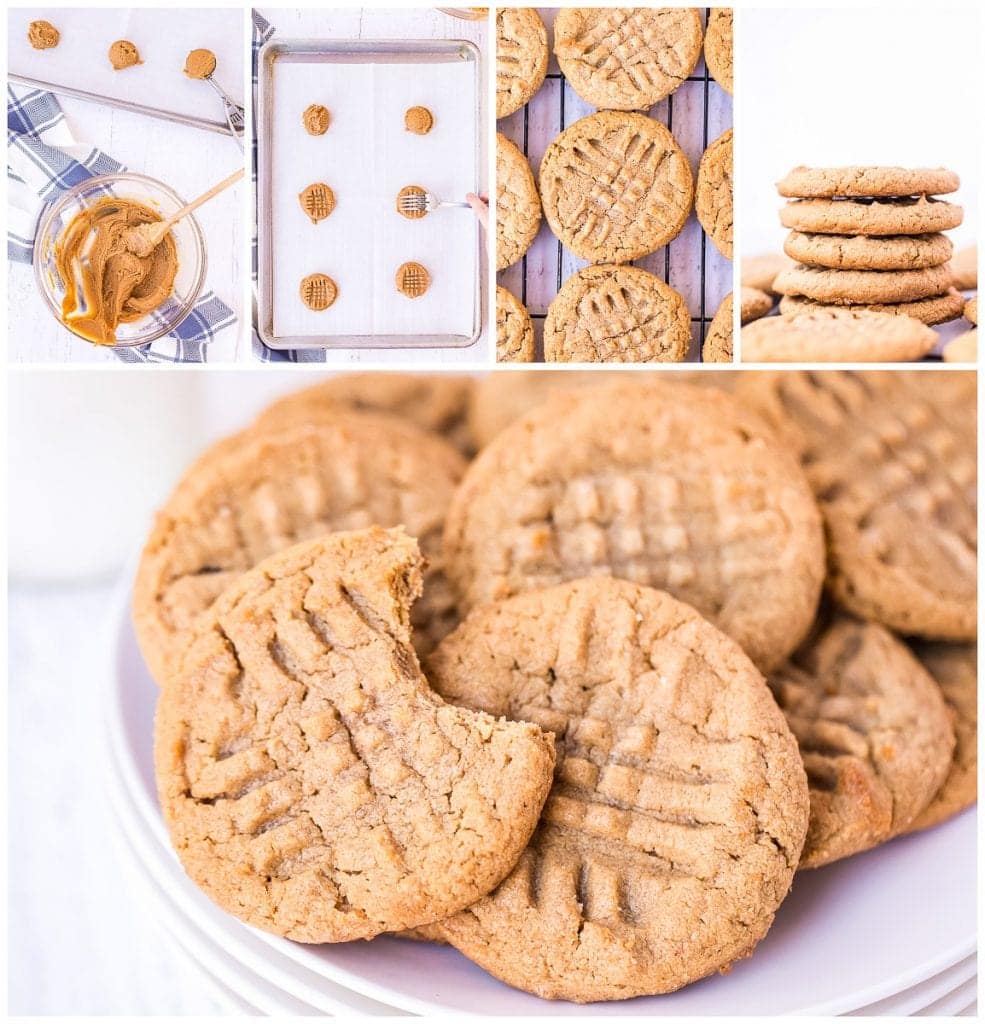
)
(91, 278)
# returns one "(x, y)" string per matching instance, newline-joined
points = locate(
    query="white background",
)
(190, 160)
(862, 86)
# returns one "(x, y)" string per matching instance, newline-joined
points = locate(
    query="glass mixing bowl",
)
(187, 235)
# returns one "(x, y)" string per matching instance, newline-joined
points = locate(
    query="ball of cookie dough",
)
(42, 35)
(315, 119)
(200, 64)
(418, 120)
(123, 54)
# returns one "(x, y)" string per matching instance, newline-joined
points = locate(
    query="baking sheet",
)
(367, 157)
(163, 36)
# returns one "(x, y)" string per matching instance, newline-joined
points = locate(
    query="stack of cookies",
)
(870, 238)
(573, 707)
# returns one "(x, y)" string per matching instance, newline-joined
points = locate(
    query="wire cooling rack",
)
(696, 113)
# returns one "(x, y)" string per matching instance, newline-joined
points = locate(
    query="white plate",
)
(908, 908)
(914, 999)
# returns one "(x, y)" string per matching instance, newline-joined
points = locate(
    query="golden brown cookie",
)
(962, 349)
(318, 292)
(760, 271)
(514, 329)
(615, 186)
(914, 216)
(271, 489)
(626, 58)
(123, 54)
(661, 482)
(965, 267)
(713, 196)
(679, 804)
(616, 315)
(954, 668)
(312, 783)
(718, 46)
(892, 459)
(434, 401)
(971, 310)
(874, 733)
(316, 119)
(521, 57)
(412, 279)
(863, 287)
(717, 347)
(865, 182)
(418, 120)
(937, 309)
(753, 304)
(517, 203)
(837, 335)
(317, 201)
(862, 252)
(42, 35)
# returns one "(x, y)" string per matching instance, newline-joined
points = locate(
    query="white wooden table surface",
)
(409, 23)
(187, 159)
(534, 280)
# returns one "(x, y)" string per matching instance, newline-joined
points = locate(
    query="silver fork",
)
(235, 115)
(424, 202)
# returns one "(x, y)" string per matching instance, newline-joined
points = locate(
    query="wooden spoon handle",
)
(204, 197)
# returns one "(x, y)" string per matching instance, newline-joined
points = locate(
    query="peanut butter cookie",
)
(717, 347)
(713, 198)
(412, 279)
(316, 119)
(317, 201)
(937, 309)
(874, 734)
(914, 216)
(863, 182)
(42, 35)
(892, 459)
(312, 783)
(615, 186)
(679, 805)
(837, 335)
(862, 252)
(265, 492)
(760, 271)
(616, 315)
(962, 349)
(718, 46)
(954, 668)
(124, 54)
(965, 267)
(418, 120)
(626, 58)
(434, 401)
(663, 483)
(754, 304)
(971, 310)
(318, 292)
(863, 287)
(521, 57)
(514, 329)
(517, 203)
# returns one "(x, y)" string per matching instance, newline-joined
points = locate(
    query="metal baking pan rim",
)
(266, 56)
(219, 128)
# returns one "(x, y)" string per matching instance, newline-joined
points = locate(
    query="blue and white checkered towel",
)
(44, 160)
